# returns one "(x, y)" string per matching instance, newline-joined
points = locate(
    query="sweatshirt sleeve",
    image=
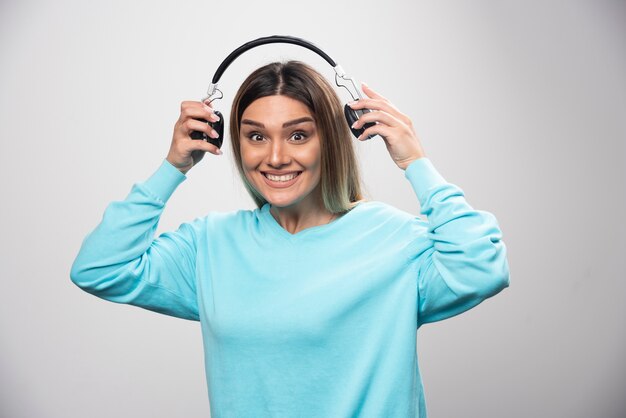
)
(121, 261)
(461, 257)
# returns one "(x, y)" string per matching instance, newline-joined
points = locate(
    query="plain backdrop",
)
(521, 104)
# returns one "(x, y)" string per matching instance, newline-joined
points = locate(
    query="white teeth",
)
(281, 178)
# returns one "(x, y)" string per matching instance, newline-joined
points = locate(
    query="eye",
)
(254, 136)
(299, 136)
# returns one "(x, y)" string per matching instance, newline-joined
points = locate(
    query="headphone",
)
(350, 114)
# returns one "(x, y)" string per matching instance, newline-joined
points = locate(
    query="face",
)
(280, 151)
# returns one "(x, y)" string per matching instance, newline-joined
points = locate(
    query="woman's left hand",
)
(394, 127)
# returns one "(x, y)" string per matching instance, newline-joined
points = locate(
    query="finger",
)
(376, 116)
(213, 149)
(196, 145)
(208, 103)
(191, 125)
(377, 104)
(198, 110)
(373, 104)
(379, 129)
(213, 117)
(371, 93)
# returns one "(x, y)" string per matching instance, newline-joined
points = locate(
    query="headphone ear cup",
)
(217, 126)
(352, 116)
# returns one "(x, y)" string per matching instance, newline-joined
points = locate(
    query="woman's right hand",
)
(186, 152)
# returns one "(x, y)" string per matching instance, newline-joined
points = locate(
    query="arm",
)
(462, 260)
(120, 260)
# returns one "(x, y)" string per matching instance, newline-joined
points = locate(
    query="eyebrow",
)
(285, 125)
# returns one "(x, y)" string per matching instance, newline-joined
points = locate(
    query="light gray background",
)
(521, 104)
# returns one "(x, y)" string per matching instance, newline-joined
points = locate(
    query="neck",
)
(301, 216)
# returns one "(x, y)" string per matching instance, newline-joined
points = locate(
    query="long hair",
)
(340, 178)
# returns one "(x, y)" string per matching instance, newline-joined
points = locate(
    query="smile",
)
(285, 177)
(281, 181)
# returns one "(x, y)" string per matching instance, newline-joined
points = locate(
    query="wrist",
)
(405, 163)
(183, 170)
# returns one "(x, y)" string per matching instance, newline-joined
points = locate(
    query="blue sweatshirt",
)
(321, 323)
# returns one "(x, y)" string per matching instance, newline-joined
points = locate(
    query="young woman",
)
(310, 303)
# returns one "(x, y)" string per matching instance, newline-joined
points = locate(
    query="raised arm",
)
(461, 257)
(121, 261)
(462, 260)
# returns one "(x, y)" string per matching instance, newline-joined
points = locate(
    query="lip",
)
(281, 173)
(280, 184)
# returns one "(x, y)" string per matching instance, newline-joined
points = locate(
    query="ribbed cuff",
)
(165, 180)
(423, 177)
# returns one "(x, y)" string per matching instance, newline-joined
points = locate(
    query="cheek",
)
(317, 167)
(249, 159)
(310, 157)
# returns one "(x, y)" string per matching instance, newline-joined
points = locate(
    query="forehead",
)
(276, 108)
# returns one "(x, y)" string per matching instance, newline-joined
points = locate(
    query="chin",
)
(281, 202)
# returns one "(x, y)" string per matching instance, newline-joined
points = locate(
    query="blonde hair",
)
(340, 178)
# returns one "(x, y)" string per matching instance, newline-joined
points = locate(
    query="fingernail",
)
(352, 103)
(219, 151)
(354, 124)
(214, 117)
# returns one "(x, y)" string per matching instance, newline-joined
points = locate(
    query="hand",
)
(186, 152)
(394, 127)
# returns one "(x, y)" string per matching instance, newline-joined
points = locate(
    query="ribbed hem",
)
(423, 177)
(165, 180)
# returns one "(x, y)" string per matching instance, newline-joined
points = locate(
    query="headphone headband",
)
(268, 40)
(339, 72)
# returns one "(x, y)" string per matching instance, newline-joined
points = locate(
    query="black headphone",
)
(351, 114)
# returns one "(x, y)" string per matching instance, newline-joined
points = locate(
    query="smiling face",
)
(280, 151)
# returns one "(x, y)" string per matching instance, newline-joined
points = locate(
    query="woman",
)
(310, 303)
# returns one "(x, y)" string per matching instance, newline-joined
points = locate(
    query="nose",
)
(279, 154)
